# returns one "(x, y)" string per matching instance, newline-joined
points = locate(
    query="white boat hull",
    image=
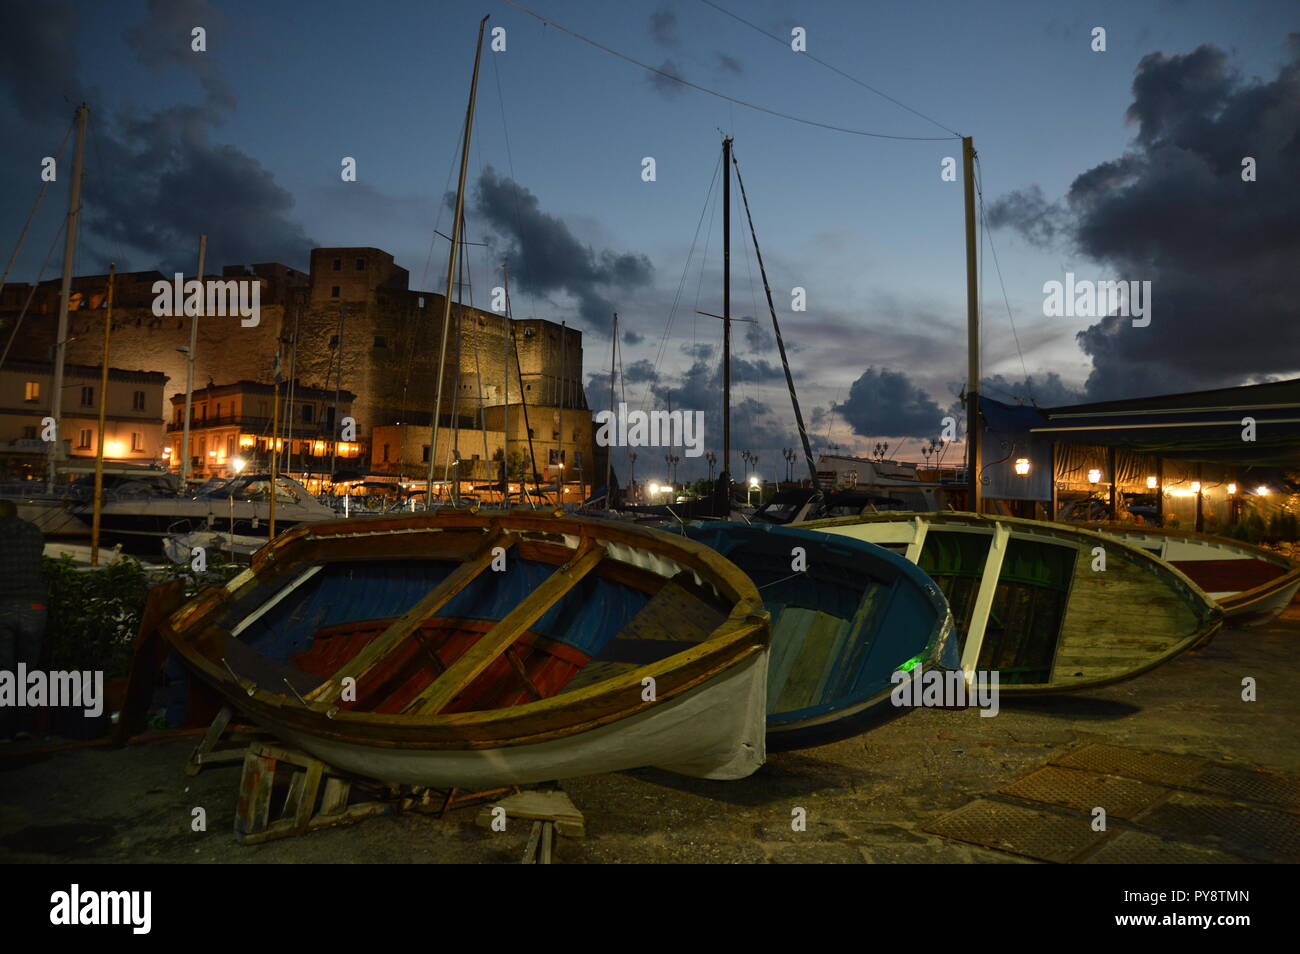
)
(715, 731)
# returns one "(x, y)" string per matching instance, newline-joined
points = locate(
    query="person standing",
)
(22, 605)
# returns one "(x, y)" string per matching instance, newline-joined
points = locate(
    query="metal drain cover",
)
(1139, 848)
(1019, 830)
(1240, 829)
(1156, 767)
(1084, 791)
(1252, 786)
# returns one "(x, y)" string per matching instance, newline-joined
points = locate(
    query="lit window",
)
(84, 439)
(32, 391)
(137, 442)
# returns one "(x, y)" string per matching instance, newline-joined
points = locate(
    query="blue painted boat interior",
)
(587, 618)
(840, 629)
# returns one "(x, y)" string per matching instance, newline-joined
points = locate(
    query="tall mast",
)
(506, 338)
(725, 476)
(451, 260)
(65, 293)
(189, 371)
(98, 502)
(609, 450)
(972, 332)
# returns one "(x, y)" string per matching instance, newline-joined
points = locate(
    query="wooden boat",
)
(1251, 584)
(1029, 604)
(463, 649)
(841, 628)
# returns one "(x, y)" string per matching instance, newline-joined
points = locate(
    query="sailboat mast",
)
(506, 339)
(189, 375)
(65, 293)
(451, 261)
(98, 502)
(972, 332)
(609, 451)
(726, 322)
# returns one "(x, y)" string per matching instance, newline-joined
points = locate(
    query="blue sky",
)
(864, 224)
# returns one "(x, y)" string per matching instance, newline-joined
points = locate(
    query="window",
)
(137, 401)
(87, 396)
(380, 341)
(32, 391)
(424, 453)
(230, 446)
(361, 264)
(555, 435)
(385, 453)
(334, 291)
(83, 442)
(338, 264)
(137, 442)
(218, 414)
(261, 409)
(577, 458)
(528, 332)
(306, 413)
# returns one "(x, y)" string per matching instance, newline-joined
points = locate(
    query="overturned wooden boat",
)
(1251, 584)
(1033, 602)
(464, 649)
(846, 617)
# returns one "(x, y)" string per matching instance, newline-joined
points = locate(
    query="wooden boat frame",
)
(197, 634)
(1238, 604)
(1000, 529)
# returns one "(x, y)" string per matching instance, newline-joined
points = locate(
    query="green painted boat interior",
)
(1029, 604)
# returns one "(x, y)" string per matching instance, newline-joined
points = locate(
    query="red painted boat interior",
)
(1229, 576)
(547, 665)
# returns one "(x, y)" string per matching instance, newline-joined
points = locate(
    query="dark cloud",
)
(888, 404)
(38, 61)
(632, 338)
(730, 64)
(759, 338)
(1042, 390)
(1220, 253)
(1028, 212)
(641, 371)
(154, 181)
(547, 258)
(667, 85)
(663, 26)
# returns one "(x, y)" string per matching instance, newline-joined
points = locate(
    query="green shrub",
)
(94, 614)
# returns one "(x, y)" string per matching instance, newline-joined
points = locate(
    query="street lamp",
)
(1022, 466)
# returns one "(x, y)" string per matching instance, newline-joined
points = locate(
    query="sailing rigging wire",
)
(720, 95)
(834, 69)
(45, 186)
(681, 284)
(510, 162)
(32, 293)
(988, 234)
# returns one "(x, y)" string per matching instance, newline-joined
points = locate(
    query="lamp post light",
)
(753, 485)
(712, 458)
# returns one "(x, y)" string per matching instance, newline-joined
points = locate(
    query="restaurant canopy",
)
(1212, 426)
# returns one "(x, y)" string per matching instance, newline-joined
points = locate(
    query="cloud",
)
(663, 27)
(888, 404)
(1043, 390)
(667, 85)
(547, 258)
(641, 371)
(729, 64)
(1220, 252)
(155, 180)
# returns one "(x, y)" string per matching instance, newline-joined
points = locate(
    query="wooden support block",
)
(554, 806)
(255, 795)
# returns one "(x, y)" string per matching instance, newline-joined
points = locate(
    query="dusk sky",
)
(1123, 164)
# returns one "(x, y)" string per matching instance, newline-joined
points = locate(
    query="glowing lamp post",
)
(1022, 466)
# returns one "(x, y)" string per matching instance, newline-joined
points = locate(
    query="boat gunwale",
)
(743, 633)
(1209, 618)
(1237, 602)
